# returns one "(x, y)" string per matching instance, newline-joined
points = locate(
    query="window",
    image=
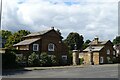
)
(64, 57)
(101, 59)
(108, 51)
(113, 52)
(117, 51)
(35, 47)
(51, 47)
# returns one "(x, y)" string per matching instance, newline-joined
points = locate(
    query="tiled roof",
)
(99, 43)
(94, 48)
(26, 42)
(38, 33)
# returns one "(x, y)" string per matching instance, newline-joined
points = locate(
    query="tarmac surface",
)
(91, 71)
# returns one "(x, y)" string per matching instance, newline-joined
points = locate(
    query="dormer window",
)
(108, 51)
(51, 47)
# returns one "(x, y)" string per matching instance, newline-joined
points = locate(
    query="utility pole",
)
(1, 14)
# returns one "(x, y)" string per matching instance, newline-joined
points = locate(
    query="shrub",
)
(54, 60)
(9, 60)
(81, 60)
(33, 60)
(21, 60)
(48, 60)
(45, 59)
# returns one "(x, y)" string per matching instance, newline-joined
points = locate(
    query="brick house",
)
(49, 41)
(117, 48)
(99, 52)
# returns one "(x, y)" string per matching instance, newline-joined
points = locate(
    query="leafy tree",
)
(87, 41)
(74, 39)
(85, 45)
(4, 34)
(116, 40)
(16, 37)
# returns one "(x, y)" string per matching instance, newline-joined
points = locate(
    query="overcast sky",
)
(87, 17)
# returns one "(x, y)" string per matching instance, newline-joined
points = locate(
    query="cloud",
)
(87, 17)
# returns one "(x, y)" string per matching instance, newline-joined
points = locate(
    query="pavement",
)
(54, 67)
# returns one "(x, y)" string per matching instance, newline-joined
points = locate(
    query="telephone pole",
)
(0, 14)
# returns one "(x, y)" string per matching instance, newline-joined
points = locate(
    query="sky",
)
(89, 18)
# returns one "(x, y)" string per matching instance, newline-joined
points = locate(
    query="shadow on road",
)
(6, 72)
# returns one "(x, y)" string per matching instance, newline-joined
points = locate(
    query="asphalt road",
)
(95, 71)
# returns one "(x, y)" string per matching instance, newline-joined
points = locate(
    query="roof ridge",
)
(38, 33)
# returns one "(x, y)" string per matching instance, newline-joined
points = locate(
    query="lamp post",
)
(91, 55)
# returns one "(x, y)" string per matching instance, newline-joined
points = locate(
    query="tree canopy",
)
(16, 37)
(5, 34)
(85, 45)
(74, 39)
(116, 40)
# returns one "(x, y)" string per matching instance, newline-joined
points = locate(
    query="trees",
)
(85, 45)
(74, 39)
(116, 40)
(16, 37)
(4, 34)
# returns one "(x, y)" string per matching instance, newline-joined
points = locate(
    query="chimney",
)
(96, 40)
(52, 27)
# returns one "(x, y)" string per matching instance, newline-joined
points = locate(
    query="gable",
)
(53, 34)
(109, 43)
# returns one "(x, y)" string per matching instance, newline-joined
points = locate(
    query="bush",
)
(33, 60)
(48, 60)
(81, 60)
(43, 60)
(9, 60)
(54, 60)
(21, 60)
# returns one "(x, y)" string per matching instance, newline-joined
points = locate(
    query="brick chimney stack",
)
(96, 40)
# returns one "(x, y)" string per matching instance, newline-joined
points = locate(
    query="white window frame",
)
(101, 59)
(114, 53)
(64, 57)
(37, 47)
(117, 51)
(108, 51)
(53, 47)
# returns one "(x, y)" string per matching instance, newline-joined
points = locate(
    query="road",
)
(95, 71)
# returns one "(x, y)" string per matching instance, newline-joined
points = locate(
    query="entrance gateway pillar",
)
(75, 57)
